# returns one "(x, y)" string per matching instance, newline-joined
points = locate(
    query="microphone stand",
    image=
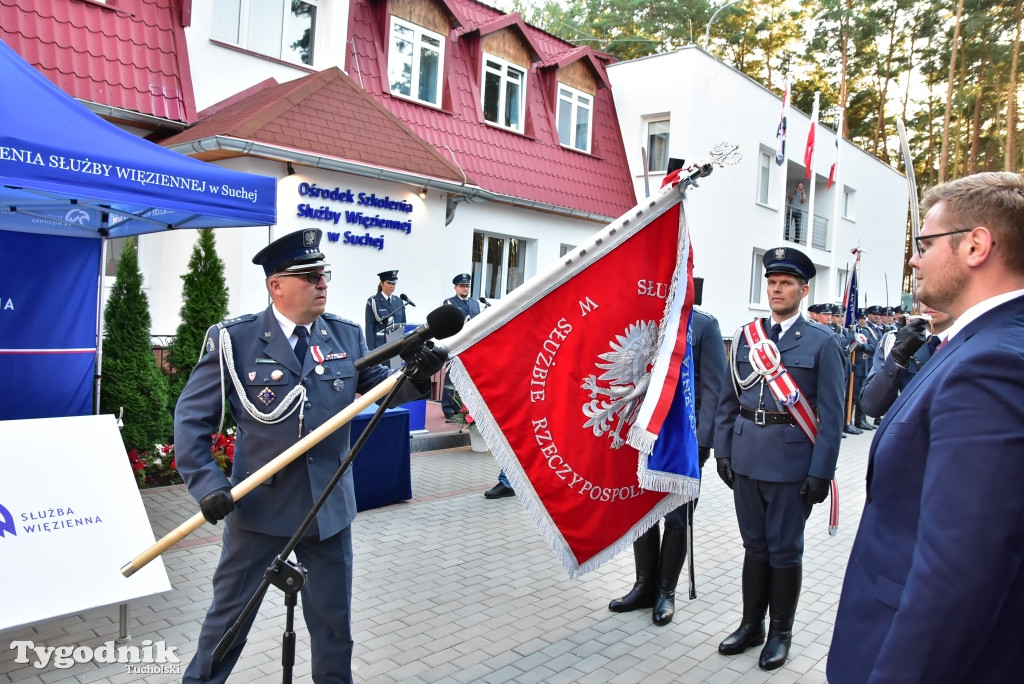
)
(290, 577)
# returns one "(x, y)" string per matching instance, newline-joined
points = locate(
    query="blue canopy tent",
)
(75, 180)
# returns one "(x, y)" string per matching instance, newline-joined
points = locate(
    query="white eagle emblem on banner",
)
(627, 368)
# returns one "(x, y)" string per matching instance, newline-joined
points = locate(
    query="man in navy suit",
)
(777, 473)
(285, 372)
(659, 556)
(934, 589)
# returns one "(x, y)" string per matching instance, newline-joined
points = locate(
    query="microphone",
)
(406, 300)
(483, 300)
(444, 321)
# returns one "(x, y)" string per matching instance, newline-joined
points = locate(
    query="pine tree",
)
(204, 303)
(131, 378)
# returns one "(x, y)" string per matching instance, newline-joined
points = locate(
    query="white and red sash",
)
(767, 362)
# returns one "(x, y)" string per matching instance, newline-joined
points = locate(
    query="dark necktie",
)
(776, 332)
(302, 343)
(942, 344)
(933, 344)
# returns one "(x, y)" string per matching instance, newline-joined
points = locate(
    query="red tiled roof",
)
(533, 167)
(128, 54)
(325, 113)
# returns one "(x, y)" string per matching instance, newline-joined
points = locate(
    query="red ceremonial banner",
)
(556, 387)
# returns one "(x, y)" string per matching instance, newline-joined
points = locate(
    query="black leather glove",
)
(217, 504)
(814, 490)
(423, 364)
(909, 339)
(725, 471)
(703, 453)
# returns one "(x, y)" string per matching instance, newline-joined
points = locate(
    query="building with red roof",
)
(511, 159)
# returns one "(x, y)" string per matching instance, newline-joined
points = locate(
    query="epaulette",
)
(239, 319)
(702, 311)
(338, 319)
(814, 325)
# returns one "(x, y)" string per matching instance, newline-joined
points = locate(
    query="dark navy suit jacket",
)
(934, 590)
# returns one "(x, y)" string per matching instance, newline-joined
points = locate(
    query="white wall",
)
(707, 102)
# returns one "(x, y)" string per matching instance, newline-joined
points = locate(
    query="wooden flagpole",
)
(256, 479)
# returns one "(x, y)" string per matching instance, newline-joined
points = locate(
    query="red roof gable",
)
(129, 55)
(533, 167)
(326, 113)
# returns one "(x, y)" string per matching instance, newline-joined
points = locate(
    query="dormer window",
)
(283, 29)
(575, 110)
(415, 62)
(504, 93)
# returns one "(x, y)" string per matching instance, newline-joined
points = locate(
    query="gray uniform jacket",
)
(469, 306)
(267, 368)
(783, 453)
(709, 367)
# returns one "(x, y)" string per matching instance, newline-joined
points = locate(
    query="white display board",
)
(70, 516)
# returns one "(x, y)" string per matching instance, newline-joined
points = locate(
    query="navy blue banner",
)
(47, 324)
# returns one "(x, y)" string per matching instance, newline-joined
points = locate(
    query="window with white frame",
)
(574, 114)
(499, 264)
(841, 277)
(504, 93)
(758, 288)
(415, 62)
(283, 29)
(848, 203)
(764, 176)
(657, 145)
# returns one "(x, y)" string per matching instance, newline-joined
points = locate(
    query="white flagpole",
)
(810, 182)
(837, 191)
(787, 98)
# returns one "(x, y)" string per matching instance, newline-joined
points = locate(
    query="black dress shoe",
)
(498, 491)
(862, 424)
(850, 429)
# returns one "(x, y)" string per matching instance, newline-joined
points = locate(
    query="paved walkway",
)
(451, 587)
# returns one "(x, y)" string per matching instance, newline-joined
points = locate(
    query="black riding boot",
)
(757, 575)
(645, 556)
(862, 422)
(673, 554)
(785, 595)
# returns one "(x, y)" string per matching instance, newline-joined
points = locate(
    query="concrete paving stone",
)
(536, 675)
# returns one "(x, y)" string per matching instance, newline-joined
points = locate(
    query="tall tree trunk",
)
(972, 164)
(844, 40)
(910, 64)
(944, 153)
(880, 136)
(1010, 163)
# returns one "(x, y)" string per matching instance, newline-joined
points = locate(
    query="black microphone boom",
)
(444, 321)
(406, 300)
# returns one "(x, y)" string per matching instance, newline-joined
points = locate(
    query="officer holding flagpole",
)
(779, 426)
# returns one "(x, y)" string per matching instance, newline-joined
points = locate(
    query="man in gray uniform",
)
(765, 451)
(659, 557)
(285, 372)
(469, 308)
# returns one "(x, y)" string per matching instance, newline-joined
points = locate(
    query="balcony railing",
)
(797, 229)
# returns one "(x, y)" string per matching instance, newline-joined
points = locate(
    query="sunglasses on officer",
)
(312, 277)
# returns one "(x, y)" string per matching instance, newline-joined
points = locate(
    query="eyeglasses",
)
(921, 239)
(312, 277)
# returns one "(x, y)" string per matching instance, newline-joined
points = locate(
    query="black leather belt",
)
(761, 417)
